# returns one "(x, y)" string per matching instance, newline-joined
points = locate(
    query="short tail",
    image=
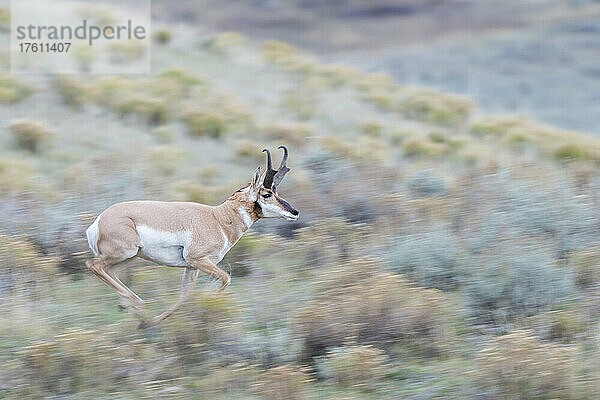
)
(92, 234)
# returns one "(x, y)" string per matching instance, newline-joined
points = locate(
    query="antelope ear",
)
(255, 184)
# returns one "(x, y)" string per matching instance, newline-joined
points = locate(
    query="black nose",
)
(295, 212)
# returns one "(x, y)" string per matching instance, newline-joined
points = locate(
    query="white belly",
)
(163, 247)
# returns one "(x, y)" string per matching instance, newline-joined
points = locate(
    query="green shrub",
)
(435, 107)
(250, 150)
(73, 92)
(211, 195)
(358, 301)
(399, 137)
(357, 366)
(300, 102)
(85, 56)
(108, 91)
(180, 77)
(422, 148)
(162, 36)
(30, 135)
(586, 267)
(288, 57)
(437, 137)
(383, 100)
(166, 160)
(363, 149)
(151, 100)
(499, 126)
(12, 90)
(371, 128)
(338, 74)
(290, 133)
(4, 19)
(126, 52)
(163, 134)
(201, 123)
(571, 152)
(567, 326)
(15, 176)
(376, 82)
(225, 42)
(153, 111)
(98, 13)
(556, 144)
(275, 50)
(208, 173)
(518, 139)
(520, 366)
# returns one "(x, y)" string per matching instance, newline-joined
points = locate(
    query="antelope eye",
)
(266, 195)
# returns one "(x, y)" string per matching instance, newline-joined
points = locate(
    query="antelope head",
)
(263, 190)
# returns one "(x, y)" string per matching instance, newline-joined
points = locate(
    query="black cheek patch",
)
(257, 209)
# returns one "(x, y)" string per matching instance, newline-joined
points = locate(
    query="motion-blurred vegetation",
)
(440, 253)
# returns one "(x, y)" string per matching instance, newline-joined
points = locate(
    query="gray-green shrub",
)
(513, 280)
(429, 258)
(426, 183)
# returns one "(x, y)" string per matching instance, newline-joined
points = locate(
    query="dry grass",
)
(126, 52)
(362, 302)
(225, 43)
(362, 367)
(12, 90)
(200, 123)
(519, 365)
(73, 92)
(283, 382)
(434, 107)
(30, 135)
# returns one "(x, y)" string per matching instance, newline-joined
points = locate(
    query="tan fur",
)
(117, 224)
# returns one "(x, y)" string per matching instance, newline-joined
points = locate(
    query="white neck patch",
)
(245, 216)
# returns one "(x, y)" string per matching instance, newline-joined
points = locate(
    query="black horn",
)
(283, 169)
(270, 173)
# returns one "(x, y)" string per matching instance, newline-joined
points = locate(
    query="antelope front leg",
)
(205, 265)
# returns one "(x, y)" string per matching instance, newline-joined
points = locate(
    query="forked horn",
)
(273, 177)
(283, 169)
(270, 172)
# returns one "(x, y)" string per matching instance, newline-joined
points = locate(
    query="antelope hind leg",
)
(188, 281)
(101, 269)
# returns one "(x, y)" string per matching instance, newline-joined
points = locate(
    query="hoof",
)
(122, 307)
(143, 325)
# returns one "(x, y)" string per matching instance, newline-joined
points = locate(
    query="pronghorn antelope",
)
(182, 234)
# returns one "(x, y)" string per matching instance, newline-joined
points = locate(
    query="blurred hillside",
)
(535, 58)
(442, 251)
